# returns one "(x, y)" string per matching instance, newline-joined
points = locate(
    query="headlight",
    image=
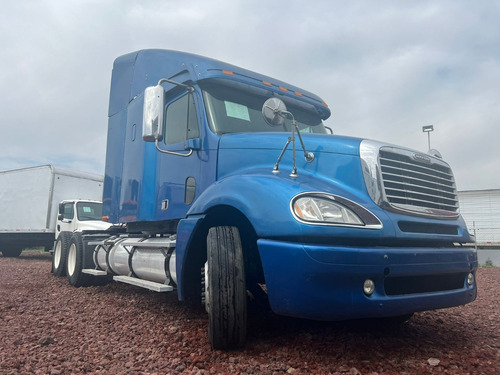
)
(328, 209)
(324, 210)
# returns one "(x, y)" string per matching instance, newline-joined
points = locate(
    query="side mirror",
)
(61, 208)
(152, 116)
(60, 217)
(274, 111)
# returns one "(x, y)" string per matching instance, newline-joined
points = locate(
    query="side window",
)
(69, 212)
(181, 121)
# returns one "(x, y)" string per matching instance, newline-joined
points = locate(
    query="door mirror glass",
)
(152, 117)
(273, 111)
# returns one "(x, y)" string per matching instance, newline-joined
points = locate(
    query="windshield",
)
(234, 110)
(89, 211)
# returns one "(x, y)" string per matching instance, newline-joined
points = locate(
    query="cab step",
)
(151, 285)
(94, 272)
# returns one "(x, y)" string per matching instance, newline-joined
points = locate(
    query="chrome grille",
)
(411, 181)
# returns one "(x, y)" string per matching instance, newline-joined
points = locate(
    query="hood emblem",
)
(422, 158)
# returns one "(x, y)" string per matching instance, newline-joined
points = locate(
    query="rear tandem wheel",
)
(75, 262)
(60, 254)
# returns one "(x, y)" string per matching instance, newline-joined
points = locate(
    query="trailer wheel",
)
(11, 252)
(60, 254)
(75, 262)
(225, 289)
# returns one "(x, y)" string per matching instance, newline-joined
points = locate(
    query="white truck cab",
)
(75, 215)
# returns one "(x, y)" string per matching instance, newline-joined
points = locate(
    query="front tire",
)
(60, 254)
(225, 288)
(74, 263)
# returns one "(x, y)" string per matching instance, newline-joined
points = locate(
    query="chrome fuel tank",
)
(151, 259)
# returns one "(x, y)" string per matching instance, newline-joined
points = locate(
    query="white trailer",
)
(29, 204)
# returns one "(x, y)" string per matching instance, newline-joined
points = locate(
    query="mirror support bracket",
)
(185, 155)
(275, 113)
(188, 88)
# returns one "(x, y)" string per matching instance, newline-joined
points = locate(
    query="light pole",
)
(427, 129)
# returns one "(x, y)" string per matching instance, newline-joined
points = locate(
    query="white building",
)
(481, 212)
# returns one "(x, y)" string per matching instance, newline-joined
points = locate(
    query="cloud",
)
(385, 69)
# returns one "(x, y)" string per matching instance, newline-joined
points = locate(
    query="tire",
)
(74, 263)
(60, 254)
(225, 292)
(11, 252)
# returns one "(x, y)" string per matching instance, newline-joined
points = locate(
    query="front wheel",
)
(225, 288)
(74, 263)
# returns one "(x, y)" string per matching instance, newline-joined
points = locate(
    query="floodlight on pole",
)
(428, 129)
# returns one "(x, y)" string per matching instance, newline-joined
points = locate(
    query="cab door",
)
(66, 218)
(180, 158)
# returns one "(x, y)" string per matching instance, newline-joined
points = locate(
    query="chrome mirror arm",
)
(188, 88)
(308, 156)
(276, 166)
(275, 113)
(189, 153)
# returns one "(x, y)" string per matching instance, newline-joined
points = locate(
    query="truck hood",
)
(93, 225)
(276, 141)
(245, 153)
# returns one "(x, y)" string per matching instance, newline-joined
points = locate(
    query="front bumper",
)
(326, 282)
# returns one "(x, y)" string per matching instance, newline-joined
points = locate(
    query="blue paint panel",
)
(336, 158)
(148, 204)
(133, 164)
(114, 166)
(121, 82)
(185, 229)
(172, 174)
(309, 288)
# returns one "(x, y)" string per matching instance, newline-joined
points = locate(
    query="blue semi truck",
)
(228, 187)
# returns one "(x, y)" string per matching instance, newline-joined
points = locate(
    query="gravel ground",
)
(49, 327)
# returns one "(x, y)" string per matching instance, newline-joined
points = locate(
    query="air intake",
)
(408, 181)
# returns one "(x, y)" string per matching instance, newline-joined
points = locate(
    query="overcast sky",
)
(385, 68)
